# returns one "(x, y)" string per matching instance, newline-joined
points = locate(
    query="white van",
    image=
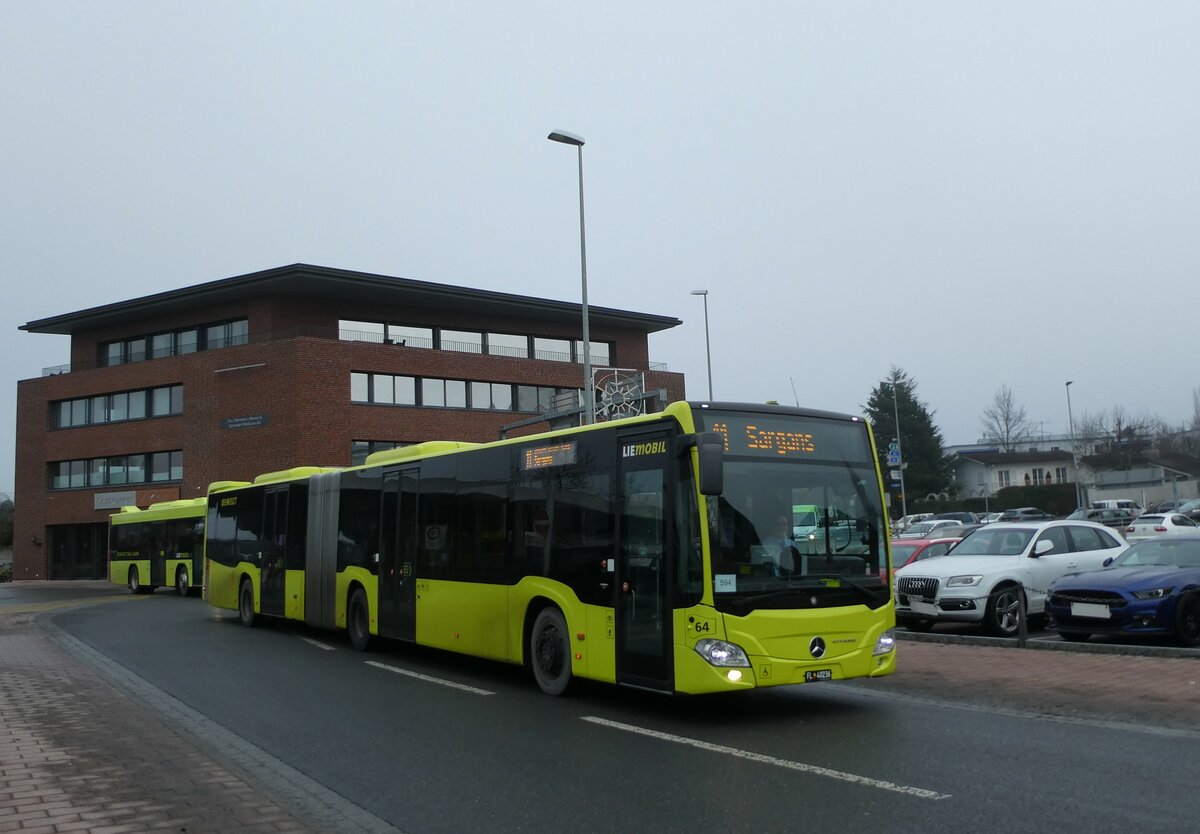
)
(1117, 504)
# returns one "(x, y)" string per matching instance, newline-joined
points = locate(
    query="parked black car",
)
(1117, 519)
(1025, 514)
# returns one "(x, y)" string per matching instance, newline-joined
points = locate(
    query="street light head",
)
(1069, 381)
(699, 292)
(565, 138)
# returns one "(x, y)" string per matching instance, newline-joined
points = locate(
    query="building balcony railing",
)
(333, 333)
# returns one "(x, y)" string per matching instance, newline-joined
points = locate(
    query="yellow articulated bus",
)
(655, 551)
(159, 546)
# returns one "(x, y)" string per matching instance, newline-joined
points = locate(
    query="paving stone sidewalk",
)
(1157, 691)
(76, 755)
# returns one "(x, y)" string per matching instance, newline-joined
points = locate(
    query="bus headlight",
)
(886, 643)
(720, 653)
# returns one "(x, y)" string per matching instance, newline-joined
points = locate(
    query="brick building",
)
(298, 365)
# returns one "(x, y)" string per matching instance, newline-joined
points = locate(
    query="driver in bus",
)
(781, 546)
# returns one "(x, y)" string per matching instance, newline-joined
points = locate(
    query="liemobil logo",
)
(637, 450)
(816, 647)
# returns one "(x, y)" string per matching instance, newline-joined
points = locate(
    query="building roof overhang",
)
(308, 281)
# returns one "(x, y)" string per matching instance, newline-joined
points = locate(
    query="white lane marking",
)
(318, 644)
(920, 793)
(429, 678)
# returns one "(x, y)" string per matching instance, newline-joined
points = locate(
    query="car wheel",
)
(1000, 616)
(1187, 619)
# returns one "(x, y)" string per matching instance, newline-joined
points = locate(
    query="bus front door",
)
(274, 551)
(398, 554)
(644, 555)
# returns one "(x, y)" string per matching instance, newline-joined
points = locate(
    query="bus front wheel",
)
(246, 603)
(181, 582)
(358, 621)
(550, 652)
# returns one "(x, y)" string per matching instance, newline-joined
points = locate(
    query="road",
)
(430, 742)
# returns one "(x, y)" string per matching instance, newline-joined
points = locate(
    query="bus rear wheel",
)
(246, 603)
(550, 652)
(181, 582)
(135, 584)
(358, 621)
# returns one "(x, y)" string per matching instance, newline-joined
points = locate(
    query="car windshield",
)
(902, 552)
(989, 541)
(1149, 519)
(1170, 552)
(1082, 515)
(1189, 506)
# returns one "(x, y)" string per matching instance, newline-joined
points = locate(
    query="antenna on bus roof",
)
(797, 399)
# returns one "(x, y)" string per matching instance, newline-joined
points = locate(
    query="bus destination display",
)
(556, 454)
(760, 435)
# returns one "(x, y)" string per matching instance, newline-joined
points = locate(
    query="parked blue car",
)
(1151, 588)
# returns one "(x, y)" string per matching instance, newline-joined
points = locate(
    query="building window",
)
(508, 344)
(462, 341)
(1039, 475)
(1002, 479)
(175, 343)
(598, 354)
(150, 467)
(1060, 474)
(553, 350)
(166, 401)
(385, 389)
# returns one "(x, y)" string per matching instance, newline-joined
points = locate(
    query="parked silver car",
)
(981, 580)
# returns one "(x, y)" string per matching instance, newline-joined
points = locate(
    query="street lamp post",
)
(589, 394)
(1074, 452)
(707, 349)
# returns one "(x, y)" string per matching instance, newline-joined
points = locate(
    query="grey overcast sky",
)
(979, 193)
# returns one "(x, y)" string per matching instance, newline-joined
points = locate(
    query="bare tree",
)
(1004, 421)
(1116, 436)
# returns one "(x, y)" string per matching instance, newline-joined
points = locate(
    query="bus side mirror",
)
(711, 447)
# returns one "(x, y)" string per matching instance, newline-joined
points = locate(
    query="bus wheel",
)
(358, 621)
(550, 652)
(181, 582)
(135, 585)
(246, 603)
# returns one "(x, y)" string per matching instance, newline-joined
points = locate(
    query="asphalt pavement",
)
(76, 751)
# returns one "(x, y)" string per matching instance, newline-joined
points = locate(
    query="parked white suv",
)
(980, 579)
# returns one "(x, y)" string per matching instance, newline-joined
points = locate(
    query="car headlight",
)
(721, 653)
(964, 581)
(1156, 593)
(886, 643)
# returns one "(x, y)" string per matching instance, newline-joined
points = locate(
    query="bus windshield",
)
(797, 529)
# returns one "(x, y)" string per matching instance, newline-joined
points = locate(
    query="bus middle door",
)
(644, 556)
(398, 554)
(274, 551)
